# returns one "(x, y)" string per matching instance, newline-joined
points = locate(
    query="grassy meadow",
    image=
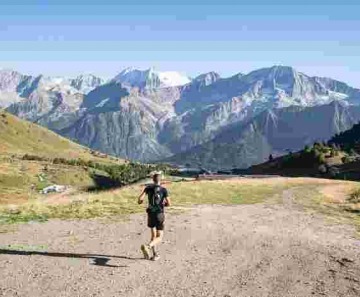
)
(21, 179)
(111, 203)
(310, 194)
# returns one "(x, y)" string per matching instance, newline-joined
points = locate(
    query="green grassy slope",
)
(21, 178)
(19, 137)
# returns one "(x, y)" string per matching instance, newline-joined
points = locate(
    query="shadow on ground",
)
(99, 260)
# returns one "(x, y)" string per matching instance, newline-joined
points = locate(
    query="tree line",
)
(123, 174)
(348, 140)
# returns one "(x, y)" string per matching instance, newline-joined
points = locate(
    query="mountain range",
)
(208, 120)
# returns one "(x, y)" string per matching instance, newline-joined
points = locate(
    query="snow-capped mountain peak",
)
(10, 79)
(150, 78)
(85, 83)
(15, 86)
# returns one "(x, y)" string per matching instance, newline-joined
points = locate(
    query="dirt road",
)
(247, 250)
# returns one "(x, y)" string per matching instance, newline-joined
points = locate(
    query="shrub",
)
(345, 159)
(334, 153)
(352, 152)
(33, 158)
(307, 149)
(59, 161)
(333, 171)
(355, 196)
(322, 158)
(322, 169)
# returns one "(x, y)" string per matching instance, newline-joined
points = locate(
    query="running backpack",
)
(156, 200)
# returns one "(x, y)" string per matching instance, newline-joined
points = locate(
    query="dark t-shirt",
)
(156, 196)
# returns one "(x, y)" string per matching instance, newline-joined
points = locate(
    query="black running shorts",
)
(156, 220)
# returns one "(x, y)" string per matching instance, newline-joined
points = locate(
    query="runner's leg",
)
(145, 248)
(159, 220)
(157, 239)
(153, 234)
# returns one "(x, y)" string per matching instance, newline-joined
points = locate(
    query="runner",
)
(157, 200)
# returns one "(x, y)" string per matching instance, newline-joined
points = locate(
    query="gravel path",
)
(246, 250)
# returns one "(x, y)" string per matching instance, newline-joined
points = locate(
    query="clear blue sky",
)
(69, 37)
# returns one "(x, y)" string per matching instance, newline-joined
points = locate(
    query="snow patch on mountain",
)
(102, 102)
(150, 78)
(173, 78)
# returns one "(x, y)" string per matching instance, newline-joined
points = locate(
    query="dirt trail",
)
(247, 250)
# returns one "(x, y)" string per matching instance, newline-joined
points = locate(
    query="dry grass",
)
(354, 196)
(346, 196)
(331, 199)
(316, 195)
(123, 201)
(235, 191)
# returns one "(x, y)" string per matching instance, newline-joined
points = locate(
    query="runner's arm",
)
(167, 202)
(141, 197)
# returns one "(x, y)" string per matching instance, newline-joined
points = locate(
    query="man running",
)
(157, 200)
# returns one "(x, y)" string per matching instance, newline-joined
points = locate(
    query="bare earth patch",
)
(337, 193)
(243, 250)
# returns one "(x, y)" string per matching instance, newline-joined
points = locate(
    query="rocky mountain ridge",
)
(136, 115)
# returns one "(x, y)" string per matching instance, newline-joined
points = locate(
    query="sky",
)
(67, 38)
